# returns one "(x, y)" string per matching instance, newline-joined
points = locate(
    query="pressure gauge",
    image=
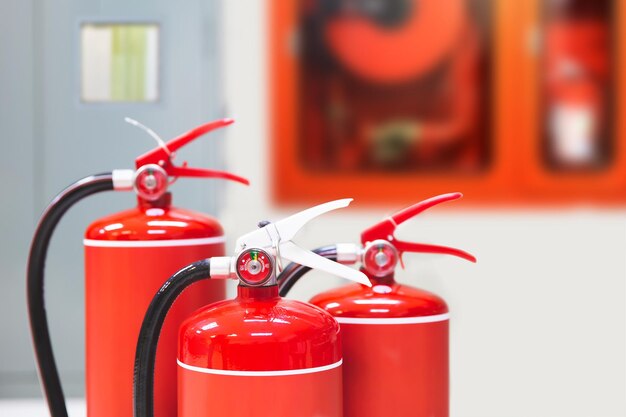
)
(255, 267)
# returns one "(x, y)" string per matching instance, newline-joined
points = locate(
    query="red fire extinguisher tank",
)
(259, 349)
(128, 256)
(258, 354)
(395, 337)
(151, 241)
(395, 345)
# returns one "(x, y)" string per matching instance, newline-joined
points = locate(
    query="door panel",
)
(72, 139)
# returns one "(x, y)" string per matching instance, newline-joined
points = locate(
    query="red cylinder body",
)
(128, 256)
(259, 355)
(395, 347)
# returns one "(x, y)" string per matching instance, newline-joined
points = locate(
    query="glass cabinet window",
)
(394, 85)
(119, 62)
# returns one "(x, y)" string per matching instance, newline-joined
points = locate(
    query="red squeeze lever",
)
(163, 155)
(386, 228)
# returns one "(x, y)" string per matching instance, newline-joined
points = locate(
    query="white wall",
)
(539, 324)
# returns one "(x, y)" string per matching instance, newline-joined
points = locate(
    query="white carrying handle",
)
(277, 237)
(286, 229)
(290, 226)
(294, 253)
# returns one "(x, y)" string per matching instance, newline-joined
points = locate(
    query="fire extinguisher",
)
(395, 337)
(578, 92)
(151, 240)
(257, 354)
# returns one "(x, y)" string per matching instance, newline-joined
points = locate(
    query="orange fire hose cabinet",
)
(511, 101)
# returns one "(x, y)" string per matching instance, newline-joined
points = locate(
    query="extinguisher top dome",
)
(262, 330)
(153, 219)
(379, 254)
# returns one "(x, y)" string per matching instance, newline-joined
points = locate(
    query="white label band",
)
(153, 243)
(394, 320)
(260, 373)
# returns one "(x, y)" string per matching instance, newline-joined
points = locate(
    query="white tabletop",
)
(29, 407)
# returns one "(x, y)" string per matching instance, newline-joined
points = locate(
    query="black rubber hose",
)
(145, 356)
(40, 331)
(293, 272)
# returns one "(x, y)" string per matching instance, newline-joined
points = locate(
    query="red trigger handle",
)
(428, 248)
(385, 230)
(175, 171)
(163, 155)
(412, 211)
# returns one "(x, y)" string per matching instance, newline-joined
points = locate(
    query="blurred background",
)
(515, 103)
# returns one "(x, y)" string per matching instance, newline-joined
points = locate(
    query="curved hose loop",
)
(293, 272)
(37, 315)
(145, 356)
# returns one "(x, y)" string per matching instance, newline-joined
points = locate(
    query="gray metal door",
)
(51, 138)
